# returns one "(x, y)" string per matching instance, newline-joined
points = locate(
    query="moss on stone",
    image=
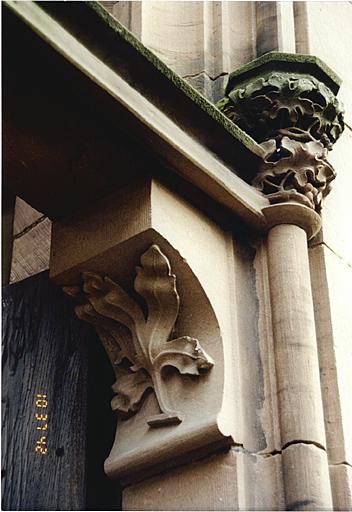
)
(291, 62)
(186, 88)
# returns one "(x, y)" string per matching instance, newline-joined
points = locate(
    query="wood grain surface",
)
(47, 352)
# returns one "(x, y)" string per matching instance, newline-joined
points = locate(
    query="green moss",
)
(192, 93)
(294, 62)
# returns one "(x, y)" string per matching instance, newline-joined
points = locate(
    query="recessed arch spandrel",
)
(165, 345)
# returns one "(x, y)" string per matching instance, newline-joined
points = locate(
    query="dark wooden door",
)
(57, 426)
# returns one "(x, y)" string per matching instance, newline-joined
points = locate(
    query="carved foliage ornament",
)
(296, 119)
(283, 104)
(295, 171)
(138, 345)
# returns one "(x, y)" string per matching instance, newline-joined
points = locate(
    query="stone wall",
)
(204, 42)
(31, 242)
(328, 25)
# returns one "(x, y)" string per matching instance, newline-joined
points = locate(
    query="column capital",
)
(287, 103)
(293, 213)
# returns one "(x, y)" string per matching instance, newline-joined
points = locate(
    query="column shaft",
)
(297, 368)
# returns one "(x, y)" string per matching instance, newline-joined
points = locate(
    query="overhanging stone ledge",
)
(161, 113)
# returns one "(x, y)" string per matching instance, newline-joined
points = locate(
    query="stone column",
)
(287, 103)
(304, 459)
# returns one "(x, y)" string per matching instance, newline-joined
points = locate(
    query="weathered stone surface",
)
(331, 46)
(109, 240)
(294, 334)
(331, 284)
(269, 409)
(235, 480)
(292, 104)
(306, 475)
(140, 356)
(295, 171)
(210, 484)
(341, 484)
(275, 30)
(260, 482)
(226, 281)
(199, 40)
(31, 242)
(287, 103)
(25, 216)
(337, 211)
(332, 281)
(31, 252)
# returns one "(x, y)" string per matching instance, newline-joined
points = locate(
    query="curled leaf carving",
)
(296, 118)
(284, 104)
(139, 347)
(295, 170)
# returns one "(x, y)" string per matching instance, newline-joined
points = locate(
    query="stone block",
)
(31, 252)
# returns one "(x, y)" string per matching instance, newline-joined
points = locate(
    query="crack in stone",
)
(343, 463)
(342, 258)
(206, 74)
(302, 441)
(31, 226)
(287, 445)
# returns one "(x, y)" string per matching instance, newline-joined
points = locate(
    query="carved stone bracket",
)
(153, 299)
(138, 345)
(296, 118)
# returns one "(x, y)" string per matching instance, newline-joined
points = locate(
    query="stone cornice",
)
(158, 111)
(173, 126)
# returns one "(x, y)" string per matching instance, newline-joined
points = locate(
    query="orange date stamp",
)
(41, 417)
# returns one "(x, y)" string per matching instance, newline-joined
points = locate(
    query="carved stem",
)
(168, 416)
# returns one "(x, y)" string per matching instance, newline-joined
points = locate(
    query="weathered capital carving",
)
(287, 104)
(294, 171)
(138, 344)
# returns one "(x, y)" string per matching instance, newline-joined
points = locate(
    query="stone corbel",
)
(135, 276)
(287, 104)
(140, 353)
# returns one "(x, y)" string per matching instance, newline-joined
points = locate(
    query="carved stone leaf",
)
(110, 300)
(138, 347)
(283, 103)
(295, 167)
(155, 283)
(130, 389)
(185, 354)
(115, 338)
